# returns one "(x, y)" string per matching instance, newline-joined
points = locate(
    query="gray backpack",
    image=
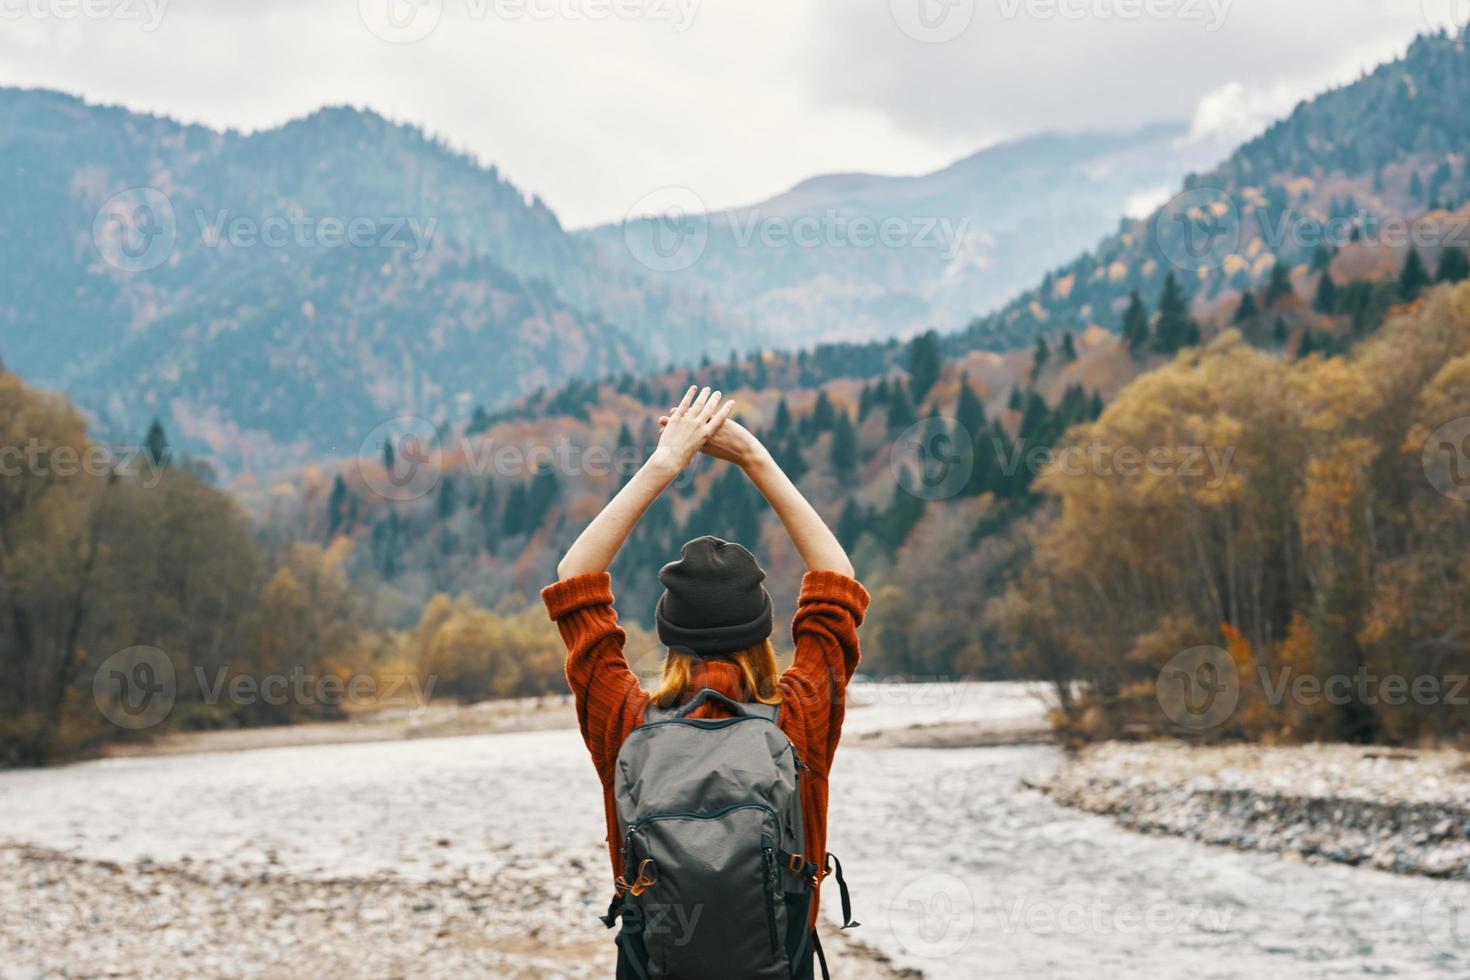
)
(714, 884)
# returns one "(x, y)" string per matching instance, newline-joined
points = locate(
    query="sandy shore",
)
(1406, 811)
(192, 920)
(1019, 720)
(435, 720)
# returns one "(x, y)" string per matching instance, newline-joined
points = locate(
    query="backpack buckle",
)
(795, 863)
(643, 881)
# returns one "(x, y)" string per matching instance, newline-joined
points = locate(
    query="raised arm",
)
(829, 609)
(815, 542)
(689, 426)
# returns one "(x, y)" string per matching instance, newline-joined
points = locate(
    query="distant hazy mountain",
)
(279, 294)
(859, 256)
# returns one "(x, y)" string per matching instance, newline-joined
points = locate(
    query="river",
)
(957, 869)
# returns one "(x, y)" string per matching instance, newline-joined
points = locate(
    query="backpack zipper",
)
(702, 814)
(771, 896)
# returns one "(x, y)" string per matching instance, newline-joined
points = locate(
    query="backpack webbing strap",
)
(835, 866)
(614, 909)
(821, 956)
(806, 870)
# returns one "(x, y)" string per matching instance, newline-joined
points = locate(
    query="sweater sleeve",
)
(606, 690)
(828, 613)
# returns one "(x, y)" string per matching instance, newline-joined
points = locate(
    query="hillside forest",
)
(1262, 449)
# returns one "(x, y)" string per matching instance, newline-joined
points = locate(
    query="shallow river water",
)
(956, 868)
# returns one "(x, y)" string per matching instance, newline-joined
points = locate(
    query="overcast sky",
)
(593, 104)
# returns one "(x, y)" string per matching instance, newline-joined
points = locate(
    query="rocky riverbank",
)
(1406, 811)
(66, 917)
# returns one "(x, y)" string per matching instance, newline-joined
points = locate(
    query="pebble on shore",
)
(1406, 811)
(64, 916)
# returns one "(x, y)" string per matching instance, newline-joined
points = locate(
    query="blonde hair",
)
(758, 673)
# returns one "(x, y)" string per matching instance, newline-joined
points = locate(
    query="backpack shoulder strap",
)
(706, 695)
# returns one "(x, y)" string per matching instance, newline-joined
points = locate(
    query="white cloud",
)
(750, 97)
(1141, 204)
(1233, 114)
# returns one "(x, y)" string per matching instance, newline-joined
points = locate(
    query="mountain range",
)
(274, 296)
(1388, 151)
(854, 257)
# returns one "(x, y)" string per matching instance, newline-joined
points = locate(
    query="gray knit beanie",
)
(713, 601)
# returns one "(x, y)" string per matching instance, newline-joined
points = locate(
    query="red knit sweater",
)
(610, 701)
